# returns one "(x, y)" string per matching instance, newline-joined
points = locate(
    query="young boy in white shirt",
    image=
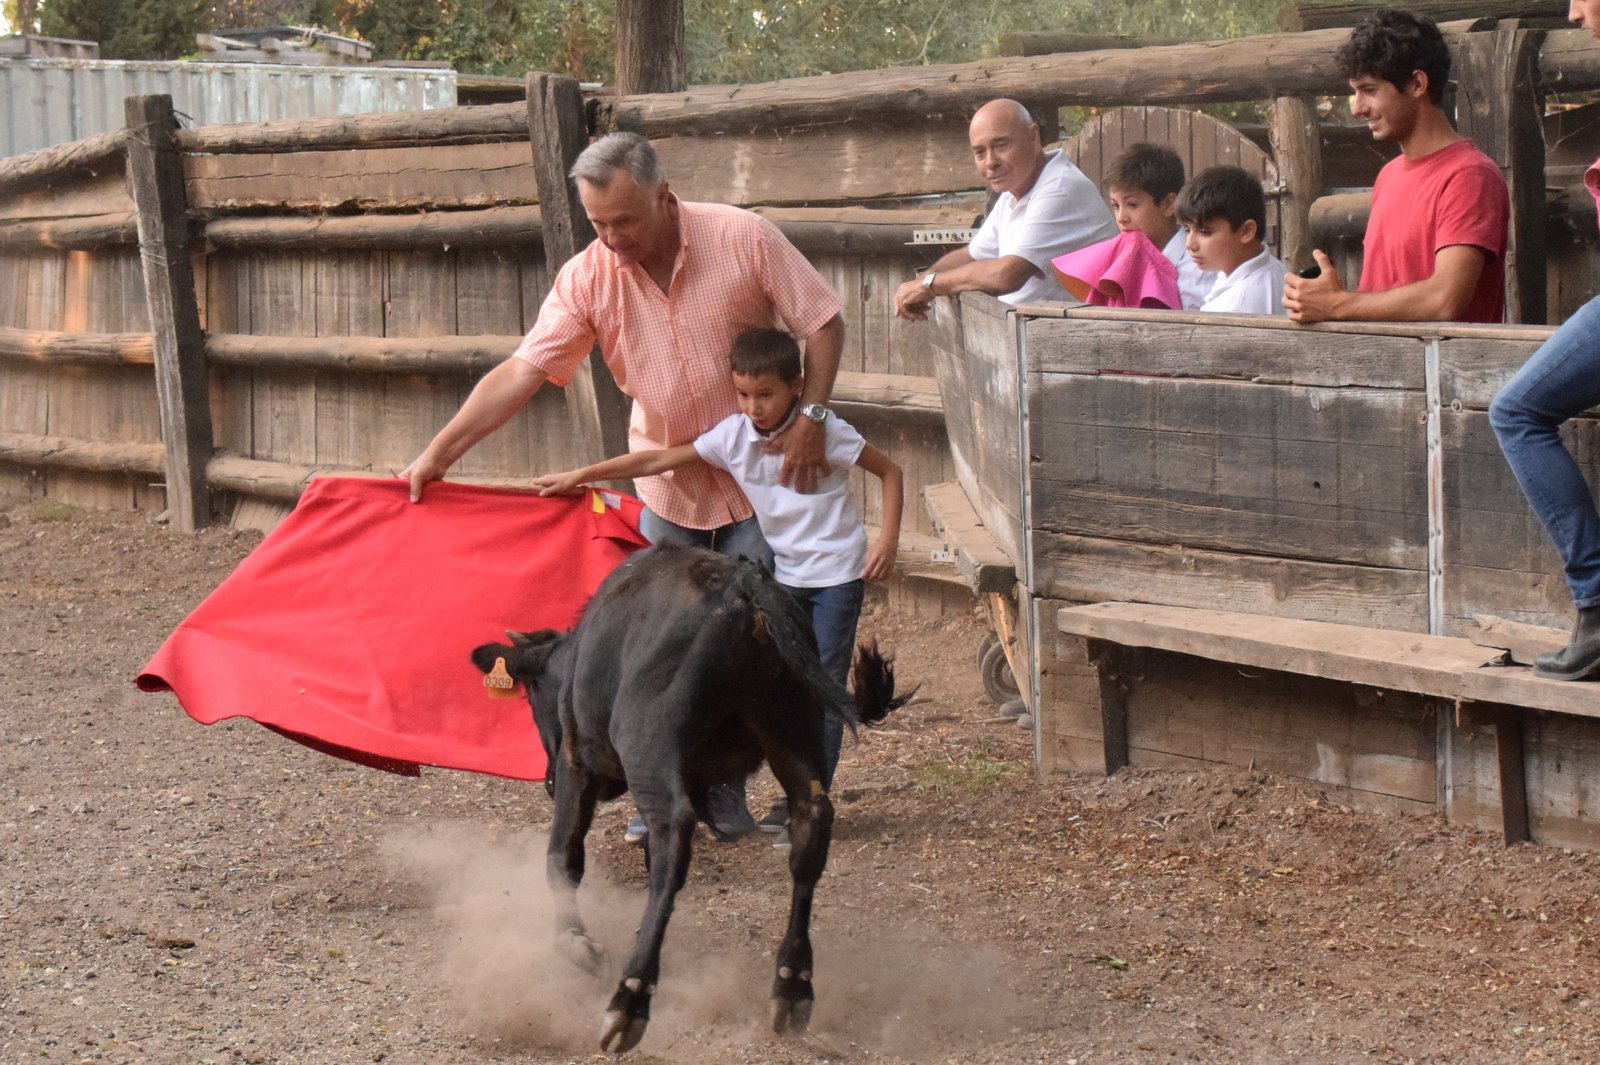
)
(1224, 211)
(1142, 185)
(819, 544)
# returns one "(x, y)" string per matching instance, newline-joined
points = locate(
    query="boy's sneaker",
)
(782, 842)
(636, 829)
(777, 819)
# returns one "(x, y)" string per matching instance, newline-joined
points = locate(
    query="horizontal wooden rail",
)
(477, 354)
(23, 449)
(443, 354)
(77, 349)
(99, 154)
(486, 227)
(1261, 67)
(1341, 217)
(389, 129)
(85, 232)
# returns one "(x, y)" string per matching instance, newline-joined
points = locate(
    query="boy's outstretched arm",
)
(633, 464)
(880, 554)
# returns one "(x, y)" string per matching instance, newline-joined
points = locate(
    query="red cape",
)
(348, 628)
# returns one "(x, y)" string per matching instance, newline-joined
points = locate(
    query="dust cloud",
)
(882, 991)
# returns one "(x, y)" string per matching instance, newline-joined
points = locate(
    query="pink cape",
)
(1125, 271)
(348, 628)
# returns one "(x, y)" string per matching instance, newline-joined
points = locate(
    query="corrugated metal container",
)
(52, 101)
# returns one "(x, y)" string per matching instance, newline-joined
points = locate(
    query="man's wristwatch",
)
(816, 412)
(927, 282)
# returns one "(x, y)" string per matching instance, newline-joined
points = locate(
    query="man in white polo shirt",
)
(1047, 207)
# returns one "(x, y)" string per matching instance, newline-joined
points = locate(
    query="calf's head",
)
(532, 659)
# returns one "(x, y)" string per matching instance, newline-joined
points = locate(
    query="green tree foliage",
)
(726, 40)
(129, 29)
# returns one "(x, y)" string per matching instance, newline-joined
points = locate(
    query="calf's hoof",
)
(626, 1017)
(576, 948)
(790, 1016)
(791, 1001)
(620, 1033)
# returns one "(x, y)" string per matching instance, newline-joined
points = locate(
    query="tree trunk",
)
(649, 46)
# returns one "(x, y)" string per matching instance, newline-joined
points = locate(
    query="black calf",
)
(686, 670)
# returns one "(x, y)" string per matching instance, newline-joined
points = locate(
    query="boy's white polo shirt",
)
(817, 539)
(1254, 287)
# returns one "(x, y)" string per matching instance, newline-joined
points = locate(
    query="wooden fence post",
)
(155, 173)
(1498, 106)
(1297, 149)
(558, 131)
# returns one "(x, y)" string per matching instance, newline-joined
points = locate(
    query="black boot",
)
(1580, 657)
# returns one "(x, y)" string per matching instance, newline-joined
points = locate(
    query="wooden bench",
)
(976, 554)
(1477, 680)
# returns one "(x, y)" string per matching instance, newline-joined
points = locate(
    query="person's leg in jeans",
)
(833, 613)
(1560, 380)
(729, 815)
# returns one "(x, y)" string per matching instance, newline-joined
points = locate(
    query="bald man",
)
(1047, 207)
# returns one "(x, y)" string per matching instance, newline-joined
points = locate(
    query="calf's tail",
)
(873, 675)
(785, 623)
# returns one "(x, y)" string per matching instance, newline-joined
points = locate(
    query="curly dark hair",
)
(1393, 45)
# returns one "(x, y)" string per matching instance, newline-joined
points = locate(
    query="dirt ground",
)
(177, 893)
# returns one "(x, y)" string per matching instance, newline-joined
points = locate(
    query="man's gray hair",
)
(599, 163)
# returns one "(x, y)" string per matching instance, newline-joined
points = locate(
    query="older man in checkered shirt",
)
(663, 291)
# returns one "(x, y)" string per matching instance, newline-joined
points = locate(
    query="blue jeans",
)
(833, 613)
(734, 539)
(1558, 381)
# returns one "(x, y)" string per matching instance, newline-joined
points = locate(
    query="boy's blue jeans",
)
(1561, 379)
(833, 613)
(734, 539)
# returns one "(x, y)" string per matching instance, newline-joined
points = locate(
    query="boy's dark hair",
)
(1230, 192)
(758, 351)
(1392, 45)
(1149, 168)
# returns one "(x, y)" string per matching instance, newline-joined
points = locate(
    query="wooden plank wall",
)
(99, 291)
(1497, 558)
(1229, 467)
(977, 370)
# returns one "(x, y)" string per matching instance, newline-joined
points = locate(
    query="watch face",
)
(815, 411)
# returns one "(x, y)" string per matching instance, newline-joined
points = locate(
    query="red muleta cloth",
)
(348, 628)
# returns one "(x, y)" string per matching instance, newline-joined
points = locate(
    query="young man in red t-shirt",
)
(1436, 238)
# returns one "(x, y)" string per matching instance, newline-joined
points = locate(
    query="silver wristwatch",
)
(927, 281)
(816, 412)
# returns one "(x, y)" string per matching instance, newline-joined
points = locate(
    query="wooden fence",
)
(319, 294)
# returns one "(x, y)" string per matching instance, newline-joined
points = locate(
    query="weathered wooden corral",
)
(325, 291)
(1301, 546)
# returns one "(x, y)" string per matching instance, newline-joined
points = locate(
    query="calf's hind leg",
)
(810, 832)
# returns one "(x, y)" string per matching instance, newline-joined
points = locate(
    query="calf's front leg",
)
(669, 845)
(576, 793)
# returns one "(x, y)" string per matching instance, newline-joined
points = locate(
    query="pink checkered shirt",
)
(669, 351)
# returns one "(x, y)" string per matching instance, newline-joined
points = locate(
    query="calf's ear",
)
(484, 655)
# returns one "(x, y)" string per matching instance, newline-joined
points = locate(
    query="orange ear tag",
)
(498, 682)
